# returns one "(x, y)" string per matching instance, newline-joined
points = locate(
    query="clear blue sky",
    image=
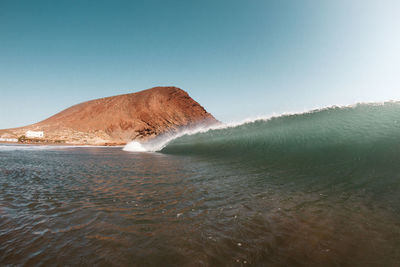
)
(237, 58)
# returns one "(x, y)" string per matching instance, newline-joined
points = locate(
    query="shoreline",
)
(61, 144)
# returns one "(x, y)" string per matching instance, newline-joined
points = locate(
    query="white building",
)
(34, 134)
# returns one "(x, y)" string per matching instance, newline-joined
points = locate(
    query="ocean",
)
(320, 188)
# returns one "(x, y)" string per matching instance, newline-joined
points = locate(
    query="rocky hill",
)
(118, 119)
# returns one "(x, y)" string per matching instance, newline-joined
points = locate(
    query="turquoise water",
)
(314, 189)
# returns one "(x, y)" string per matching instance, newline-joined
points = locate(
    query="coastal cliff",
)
(118, 119)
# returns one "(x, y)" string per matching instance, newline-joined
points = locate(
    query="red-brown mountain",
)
(120, 119)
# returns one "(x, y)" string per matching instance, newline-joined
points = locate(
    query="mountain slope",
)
(120, 119)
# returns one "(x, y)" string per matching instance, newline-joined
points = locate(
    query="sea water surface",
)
(320, 188)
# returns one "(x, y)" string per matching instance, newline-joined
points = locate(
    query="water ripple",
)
(101, 206)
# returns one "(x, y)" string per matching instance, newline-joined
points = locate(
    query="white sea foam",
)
(135, 147)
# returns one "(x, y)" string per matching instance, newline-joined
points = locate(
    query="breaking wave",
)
(343, 128)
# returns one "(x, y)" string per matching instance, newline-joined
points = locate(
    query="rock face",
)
(119, 119)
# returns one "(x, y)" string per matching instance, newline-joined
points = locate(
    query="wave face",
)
(351, 145)
(363, 130)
